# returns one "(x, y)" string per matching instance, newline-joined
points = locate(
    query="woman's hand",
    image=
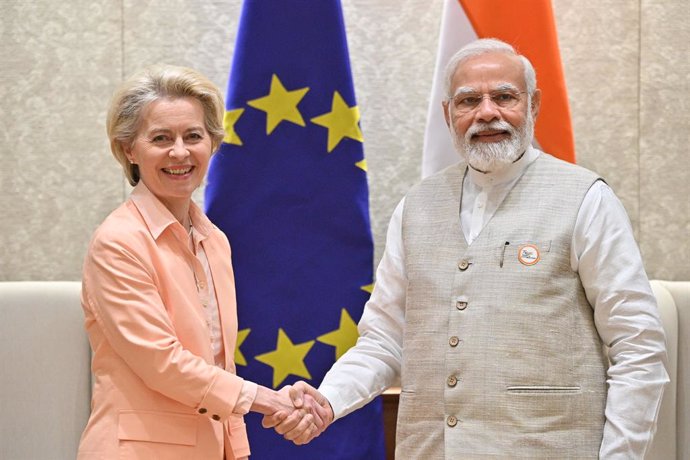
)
(311, 416)
(297, 424)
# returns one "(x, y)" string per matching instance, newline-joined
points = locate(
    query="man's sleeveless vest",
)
(501, 358)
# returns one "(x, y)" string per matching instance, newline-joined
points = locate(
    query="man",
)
(502, 279)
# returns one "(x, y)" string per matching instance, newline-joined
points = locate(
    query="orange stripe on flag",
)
(530, 27)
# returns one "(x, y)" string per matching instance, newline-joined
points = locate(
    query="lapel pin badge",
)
(528, 254)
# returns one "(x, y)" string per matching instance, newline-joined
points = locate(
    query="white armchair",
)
(45, 383)
(672, 440)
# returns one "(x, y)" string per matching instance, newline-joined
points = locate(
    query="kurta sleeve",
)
(610, 266)
(373, 364)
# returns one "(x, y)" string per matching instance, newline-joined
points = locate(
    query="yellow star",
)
(229, 120)
(368, 288)
(287, 358)
(342, 121)
(241, 337)
(342, 338)
(362, 165)
(280, 104)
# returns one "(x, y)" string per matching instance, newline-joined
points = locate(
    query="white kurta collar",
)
(506, 174)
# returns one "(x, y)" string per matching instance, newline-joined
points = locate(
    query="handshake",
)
(298, 412)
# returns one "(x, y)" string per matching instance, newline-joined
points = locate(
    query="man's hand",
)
(312, 415)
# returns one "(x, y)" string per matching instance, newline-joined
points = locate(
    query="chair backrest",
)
(665, 442)
(45, 383)
(672, 439)
(680, 290)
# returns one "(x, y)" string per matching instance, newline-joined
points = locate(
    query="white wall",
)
(626, 65)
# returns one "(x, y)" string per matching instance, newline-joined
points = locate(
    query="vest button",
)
(202, 410)
(454, 341)
(451, 421)
(463, 264)
(215, 417)
(460, 305)
(452, 381)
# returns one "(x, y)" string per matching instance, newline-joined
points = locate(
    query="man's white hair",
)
(484, 46)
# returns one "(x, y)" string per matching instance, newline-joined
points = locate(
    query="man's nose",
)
(487, 111)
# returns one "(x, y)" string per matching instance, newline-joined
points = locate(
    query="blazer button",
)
(463, 264)
(460, 305)
(451, 421)
(454, 341)
(215, 417)
(452, 381)
(202, 410)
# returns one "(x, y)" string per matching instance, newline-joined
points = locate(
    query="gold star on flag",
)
(287, 358)
(229, 120)
(342, 121)
(239, 357)
(362, 165)
(368, 288)
(280, 104)
(342, 338)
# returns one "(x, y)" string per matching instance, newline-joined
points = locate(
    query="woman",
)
(158, 290)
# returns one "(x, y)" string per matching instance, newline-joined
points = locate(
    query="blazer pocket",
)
(162, 427)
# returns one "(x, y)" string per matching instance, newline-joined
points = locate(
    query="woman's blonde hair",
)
(151, 84)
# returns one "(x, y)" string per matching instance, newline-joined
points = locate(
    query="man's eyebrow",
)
(500, 87)
(506, 87)
(465, 90)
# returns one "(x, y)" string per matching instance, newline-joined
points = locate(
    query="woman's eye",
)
(159, 138)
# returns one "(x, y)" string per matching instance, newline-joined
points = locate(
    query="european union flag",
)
(289, 189)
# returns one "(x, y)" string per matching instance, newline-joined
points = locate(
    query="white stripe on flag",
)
(456, 32)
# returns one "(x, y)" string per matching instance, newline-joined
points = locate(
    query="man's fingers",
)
(269, 421)
(316, 410)
(303, 430)
(310, 418)
(291, 422)
(296, 395)
(307, 435)
(324, 411)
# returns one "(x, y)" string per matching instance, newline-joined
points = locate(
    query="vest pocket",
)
(543, 389)
(523, 253)
(544, 411)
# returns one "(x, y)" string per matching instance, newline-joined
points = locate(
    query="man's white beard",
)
(493, 156)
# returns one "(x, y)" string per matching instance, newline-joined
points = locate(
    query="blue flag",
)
(289, 189)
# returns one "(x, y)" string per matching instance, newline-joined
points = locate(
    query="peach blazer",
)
(157, 393)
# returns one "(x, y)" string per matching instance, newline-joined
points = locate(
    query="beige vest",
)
(501, 358)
